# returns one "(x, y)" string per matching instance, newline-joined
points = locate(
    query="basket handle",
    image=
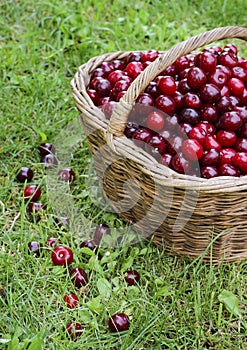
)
(120, 114)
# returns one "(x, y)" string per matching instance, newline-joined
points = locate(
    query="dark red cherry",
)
(71, 300)
(208, 172)
(167, 85)
(165, 104)
(36, 207)
(25, 174)
(228, 170)
(241, 145)
(52, 241)
(209, 113)
(89, 243)
(226, 138)
(210, 157)
(166, 159)
(74, 330)
(46, 148)
(100, 231)
(207, 61)
(133, 69)
(190, 115)
(230, 121)
(240, 161)
(62, 256)
(34, 248)
(142, 136)
(49, 160)
(132, 277)
(180, 164)
(32, 192)
(210, 93)
(155, 121)
(226, 155)
(192, 149)
(119, 322)
(107, 108)
(79, 277)
(196, 77)
(66, 175)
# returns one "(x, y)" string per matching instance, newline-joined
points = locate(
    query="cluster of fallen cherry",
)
(62, 255)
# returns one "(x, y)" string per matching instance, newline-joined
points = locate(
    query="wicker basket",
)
(186, 214)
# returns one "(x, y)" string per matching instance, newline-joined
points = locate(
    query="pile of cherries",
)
(62, 255)
(192, 117)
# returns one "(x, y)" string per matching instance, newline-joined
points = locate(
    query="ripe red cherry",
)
(190, 115)
(62, 256)
(182, 63)
(207, 61)
(89, 243)
(155, 121)
(142, 136)
(211, 143)
(32, 192)
(46, 148)
(49, 160)
(66, 175)
(230, 121)
(196, 77)
(35, 207)
(71, 300)
(210, 157)
(165, 104)
(133, 69)
(100, 231)
(240, 73)
(236, 86)
(180, 164)
(132, 277)
(208, 172)
(217, 77)
(210, 93)
(166, 159)
(34, 248)
(150, 55)
(103, 87)
(192, 149)
(192, 100)
(25, 174)
(93, 95)
(116, 75)
(226, 138)
(79, 277)
(241, 145)
(51, 241)
(227, 170)
(119, 322)
(167, 85)
(156, 146)
(240, 161)
(209, 113)
(227, 59)
(198, 134)
(130, 128)
(226, 155)
(74, 330)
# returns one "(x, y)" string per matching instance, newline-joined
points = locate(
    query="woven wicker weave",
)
(185, 213)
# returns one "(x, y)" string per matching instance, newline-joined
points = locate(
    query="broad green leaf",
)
(95, 304)
(104, 287)
(128, 263)
(230, 301)
(37, 344)
(163, 291)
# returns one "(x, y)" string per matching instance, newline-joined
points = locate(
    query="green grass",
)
(178, 304)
